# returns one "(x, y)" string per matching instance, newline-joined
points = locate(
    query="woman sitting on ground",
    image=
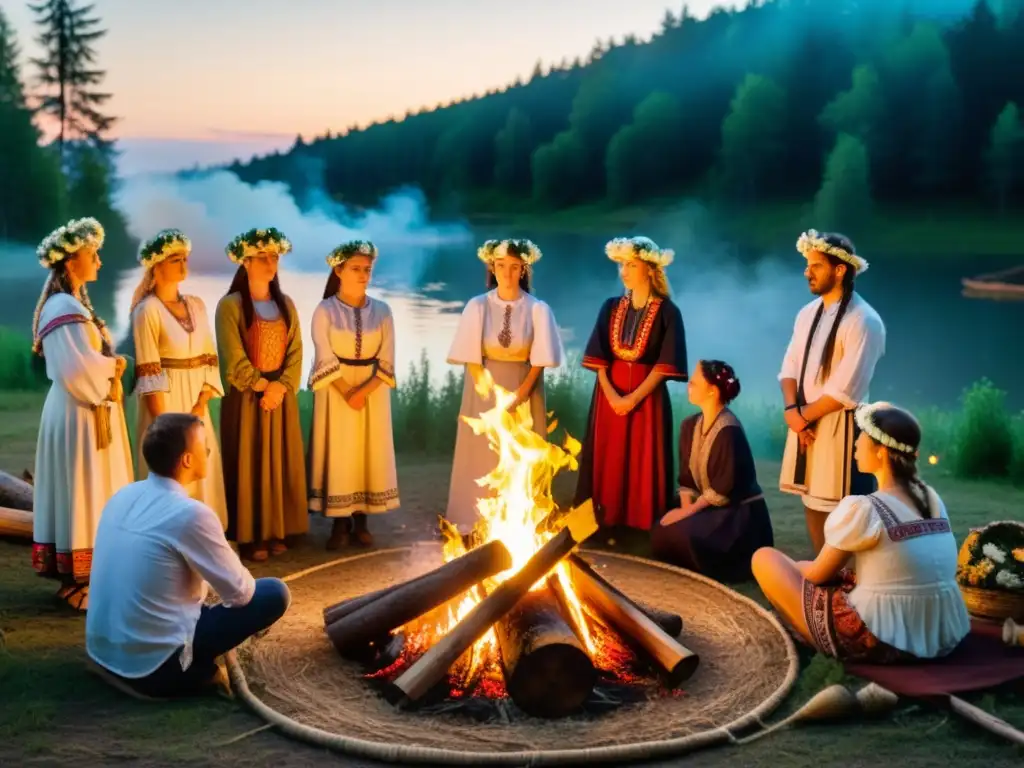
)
(722, 518)
(903, 603)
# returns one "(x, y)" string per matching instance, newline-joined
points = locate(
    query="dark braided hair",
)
(59, 281)
(240, 285)
(839, 241)
(721, 375)
(902, 427)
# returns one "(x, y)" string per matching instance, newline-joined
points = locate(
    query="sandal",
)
(278, 548)
(75, 595)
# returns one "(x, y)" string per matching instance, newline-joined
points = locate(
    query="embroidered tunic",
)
(626, 462)
(351, 452)
(179, 357)
(264, 466)
(507, 338)
(716, 463)
(82, 453)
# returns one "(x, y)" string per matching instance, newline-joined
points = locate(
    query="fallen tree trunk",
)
(548, 672)
(679, 663)
(670, 623)
(371, 622)
(15, 493)
(433, 665)
(16, 523)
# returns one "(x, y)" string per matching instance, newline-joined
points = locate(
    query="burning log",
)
(15, 493)
(371, 621)
(670, 623)
(548, 672)
(432, 666)
(679, 663)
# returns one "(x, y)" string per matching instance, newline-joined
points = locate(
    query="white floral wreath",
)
(346, 251)
(523, 249)
(865, 416)
(67, 240)
(622, 249)
(811, 240)
(166, 243)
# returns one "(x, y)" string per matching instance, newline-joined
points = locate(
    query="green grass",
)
(54, 711)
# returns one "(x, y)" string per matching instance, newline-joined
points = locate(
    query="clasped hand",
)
(687, 507)
(623, 404)
(273, 395)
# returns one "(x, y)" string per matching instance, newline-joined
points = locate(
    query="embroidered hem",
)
(323, 376)
(51, 564)
(146, 385)
(360, 501)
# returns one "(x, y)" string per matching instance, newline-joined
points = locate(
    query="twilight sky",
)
(204, 80)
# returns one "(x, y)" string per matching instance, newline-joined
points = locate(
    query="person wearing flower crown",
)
(176, 364)
(260, 347)
(83, 456)
(351, 445)
(903, 602)
(512, 336)
(722, 517)
(638, 344)
(837, 341)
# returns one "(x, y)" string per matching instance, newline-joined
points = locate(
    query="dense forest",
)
(849, 104)
(43, 184)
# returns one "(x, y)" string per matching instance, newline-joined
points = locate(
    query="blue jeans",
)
(218, 631)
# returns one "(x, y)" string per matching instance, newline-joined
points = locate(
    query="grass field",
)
(54, 713)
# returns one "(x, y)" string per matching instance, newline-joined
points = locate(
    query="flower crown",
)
(346, 251)
(255, 241)
(811, 240)
(166, 243)
(865, 416)
(524, 249)
(69, 239)
(622, 249)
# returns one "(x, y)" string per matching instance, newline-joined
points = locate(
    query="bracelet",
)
(791, 407)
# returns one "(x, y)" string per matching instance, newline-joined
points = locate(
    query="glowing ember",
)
(520, 501)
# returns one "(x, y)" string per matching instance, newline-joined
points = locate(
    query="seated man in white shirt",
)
(156, 549)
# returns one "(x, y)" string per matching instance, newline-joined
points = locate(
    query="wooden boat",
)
(1007, 284)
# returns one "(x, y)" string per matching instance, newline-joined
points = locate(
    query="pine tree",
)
(1003, 156)
(844, 200)
(68, 75)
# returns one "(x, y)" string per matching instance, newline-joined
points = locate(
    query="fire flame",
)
(520, 500)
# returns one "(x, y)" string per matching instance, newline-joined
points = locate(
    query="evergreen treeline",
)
(44, 185)
(844, 102)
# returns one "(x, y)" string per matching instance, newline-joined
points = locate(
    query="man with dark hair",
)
(837, 341)
(156, 551)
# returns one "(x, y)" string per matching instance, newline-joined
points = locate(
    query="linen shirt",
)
(156, 551)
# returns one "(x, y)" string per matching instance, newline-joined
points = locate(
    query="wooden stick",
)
(678, 662)
(670, 623)
(369, 623)
(16, 523)
(432, 666)
(989, 722)
(15, 493)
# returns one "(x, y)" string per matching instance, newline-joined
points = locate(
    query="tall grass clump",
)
(983, 437)
(20, 370)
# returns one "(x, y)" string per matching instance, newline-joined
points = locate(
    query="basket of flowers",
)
(990, 571)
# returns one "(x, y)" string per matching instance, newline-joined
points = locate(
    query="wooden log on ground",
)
(671, 623)
(352, 633)
(679, 663)
(15, 493)
(548, 672)
(16, 523)
(433, 665)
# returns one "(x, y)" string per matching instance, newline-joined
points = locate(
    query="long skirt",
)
(718, 542)
(474, 457)
(73, 483)
(626, 461)
(264, 468)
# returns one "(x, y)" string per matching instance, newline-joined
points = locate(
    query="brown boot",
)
(363, 536)
(341, 533)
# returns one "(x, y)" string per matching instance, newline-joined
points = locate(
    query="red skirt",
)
(626, 462)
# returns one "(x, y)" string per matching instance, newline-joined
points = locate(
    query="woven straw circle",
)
(294, 679)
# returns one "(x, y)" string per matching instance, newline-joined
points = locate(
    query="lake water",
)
(939, 342)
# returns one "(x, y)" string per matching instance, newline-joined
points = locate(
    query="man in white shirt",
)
(837, 341)
(156, 550)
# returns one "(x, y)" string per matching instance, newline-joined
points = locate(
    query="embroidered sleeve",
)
(722, 467)
(291, 376)
(598, 352)
(467, 346)
(150, 376)
(687, 483)
(326, 367)
(546, 350)
(82, 371)
(863, 344)
(211, 366)
(671, 361)
(853, 526)
(386, 356)
(236, 368)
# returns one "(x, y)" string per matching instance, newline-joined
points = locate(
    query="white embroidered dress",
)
(352, 452)
(179, 359)
(74, 478)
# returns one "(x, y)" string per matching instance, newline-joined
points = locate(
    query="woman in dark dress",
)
(637, 345)
(722, 518)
